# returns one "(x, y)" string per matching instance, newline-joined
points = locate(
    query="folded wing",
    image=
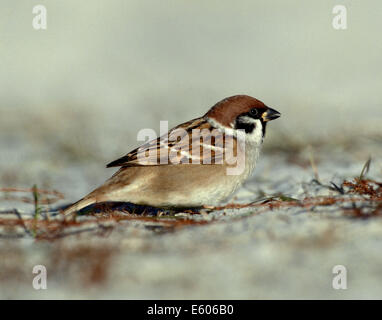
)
(193, 142)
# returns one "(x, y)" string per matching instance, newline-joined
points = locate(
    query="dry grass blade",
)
(313, 163)
(365, 169)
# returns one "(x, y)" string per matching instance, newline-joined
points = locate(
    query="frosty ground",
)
(281, 239)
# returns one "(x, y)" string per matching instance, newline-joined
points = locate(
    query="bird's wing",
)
(184, 144)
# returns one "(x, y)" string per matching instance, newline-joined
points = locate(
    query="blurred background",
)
(80, 90)
(74, 96)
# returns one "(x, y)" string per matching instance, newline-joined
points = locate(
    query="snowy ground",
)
(280, 248)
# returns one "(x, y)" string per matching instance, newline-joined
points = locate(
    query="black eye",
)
(254, 112)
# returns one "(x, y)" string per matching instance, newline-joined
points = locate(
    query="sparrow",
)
(198, 163)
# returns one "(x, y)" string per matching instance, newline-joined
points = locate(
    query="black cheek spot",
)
(247, 127)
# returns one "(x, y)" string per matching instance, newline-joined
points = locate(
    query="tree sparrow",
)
(198, 163)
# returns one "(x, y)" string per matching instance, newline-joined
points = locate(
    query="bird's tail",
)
(72, 209)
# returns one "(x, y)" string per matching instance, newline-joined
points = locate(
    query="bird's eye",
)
(254, 112)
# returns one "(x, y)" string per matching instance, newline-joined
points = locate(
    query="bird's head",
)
(242, 112)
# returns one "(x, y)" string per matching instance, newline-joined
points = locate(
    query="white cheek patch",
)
(249, 120)
(256, 136)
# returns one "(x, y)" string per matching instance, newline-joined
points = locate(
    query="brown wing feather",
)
(183, 145)
(157, 151)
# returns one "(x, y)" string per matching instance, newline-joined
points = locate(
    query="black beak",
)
(270, 114)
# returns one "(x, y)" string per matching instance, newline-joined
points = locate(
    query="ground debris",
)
(357, 198)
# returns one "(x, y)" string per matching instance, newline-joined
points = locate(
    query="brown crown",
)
(227, 110)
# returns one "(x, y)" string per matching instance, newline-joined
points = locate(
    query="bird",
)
(197, 164)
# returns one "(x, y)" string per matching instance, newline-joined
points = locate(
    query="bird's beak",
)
(270, 114)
